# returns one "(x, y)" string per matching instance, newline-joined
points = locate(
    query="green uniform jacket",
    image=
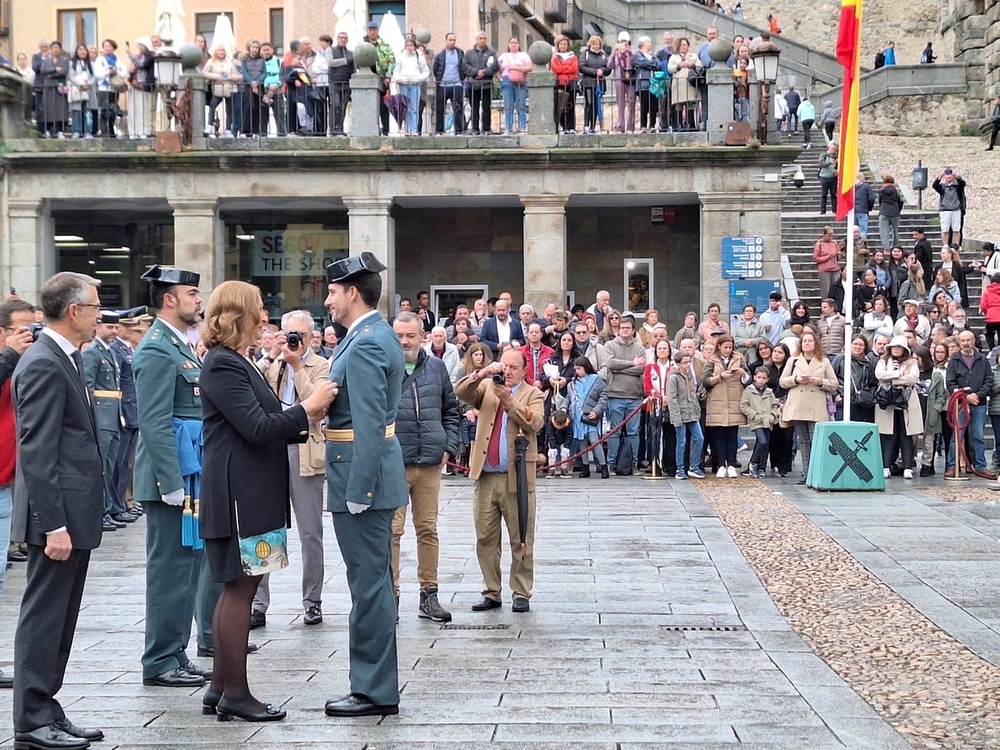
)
(100, 368)
(368, 369)
(166, 386)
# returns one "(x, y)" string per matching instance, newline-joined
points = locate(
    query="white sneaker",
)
(907, 473)
(886, 473)
(731, 472)
(721, 473)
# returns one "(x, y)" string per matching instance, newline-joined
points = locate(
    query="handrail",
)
(902, 80)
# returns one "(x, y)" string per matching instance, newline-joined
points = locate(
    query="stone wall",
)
(971, 31)
(917, 115)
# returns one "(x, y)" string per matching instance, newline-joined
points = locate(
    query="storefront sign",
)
(295, 252)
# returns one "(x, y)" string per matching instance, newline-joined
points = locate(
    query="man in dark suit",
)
(58, 501)
(366, 479)
(501, 331)
(38, 87)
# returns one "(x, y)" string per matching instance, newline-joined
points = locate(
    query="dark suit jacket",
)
(245, 453)
(489, 333)
(130, 412)
(59, 481)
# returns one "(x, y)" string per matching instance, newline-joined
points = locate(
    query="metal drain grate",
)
(711, 628)
(495, 626)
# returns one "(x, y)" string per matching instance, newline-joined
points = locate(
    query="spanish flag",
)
(849, 56)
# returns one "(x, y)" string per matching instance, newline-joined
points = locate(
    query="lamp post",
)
(168, 69)
(765, 65)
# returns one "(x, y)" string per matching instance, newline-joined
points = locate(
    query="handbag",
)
(264, 553)
(119, 84)
(77, 94)
(222, 90)
(863, 399)
(892, 396)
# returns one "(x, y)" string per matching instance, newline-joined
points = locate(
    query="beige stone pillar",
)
(198, 240)
(30, 251)
(371, 228)
(544, 250)
(736, 215)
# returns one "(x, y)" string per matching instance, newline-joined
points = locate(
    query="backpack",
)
(623, 461)
(880, 59)
(658, 84)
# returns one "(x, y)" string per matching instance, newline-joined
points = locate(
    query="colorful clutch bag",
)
(264, 553)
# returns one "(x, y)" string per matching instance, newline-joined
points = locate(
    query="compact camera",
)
(294, 339)
(499, 378)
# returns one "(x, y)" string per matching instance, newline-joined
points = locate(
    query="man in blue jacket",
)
(366, 479)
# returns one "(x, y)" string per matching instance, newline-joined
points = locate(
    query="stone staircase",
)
(802, 225)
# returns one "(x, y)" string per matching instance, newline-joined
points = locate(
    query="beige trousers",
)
(491, 504)
(424, 484)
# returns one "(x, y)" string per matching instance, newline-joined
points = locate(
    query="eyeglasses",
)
(88, 304)
(614, 317)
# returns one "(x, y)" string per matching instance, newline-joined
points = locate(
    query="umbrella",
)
(521, 469)
(390, 32)
(397, 105)
(350, 20)
(169, 25)
(223, 34)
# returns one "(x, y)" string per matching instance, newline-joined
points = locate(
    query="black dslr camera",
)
(294, 339)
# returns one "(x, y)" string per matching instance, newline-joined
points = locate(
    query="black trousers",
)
(780, 448)
(44, 637)
(340, 95)
(442, 95)
(897, 442)
(993, 133)
(828, 187)
(481, 96)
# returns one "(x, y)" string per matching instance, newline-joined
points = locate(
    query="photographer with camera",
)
(508, 407)
(293, 372)
(17, 331)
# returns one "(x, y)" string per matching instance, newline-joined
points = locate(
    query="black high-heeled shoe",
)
(227, 711)
(210, 702)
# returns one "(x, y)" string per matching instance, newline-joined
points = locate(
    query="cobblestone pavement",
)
(648, 628)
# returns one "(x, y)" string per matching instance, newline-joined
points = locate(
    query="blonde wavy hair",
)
(232, 318)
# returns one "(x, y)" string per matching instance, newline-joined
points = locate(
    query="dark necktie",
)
(78, 361)
(493, 451)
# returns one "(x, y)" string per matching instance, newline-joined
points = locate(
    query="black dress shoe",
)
(520, 604)
(94, 735)
(175, 678)
(192, 668)
(125, 518)
(210, 652)
(6, 680)
(210, 702)
(257, 620)
(50, 737)
(313, 616)
(227, 711)
(15, 555)
(485, 604)
(358, 705)
(109, 525)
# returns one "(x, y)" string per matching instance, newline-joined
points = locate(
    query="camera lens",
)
(499, 378)
(294, 339)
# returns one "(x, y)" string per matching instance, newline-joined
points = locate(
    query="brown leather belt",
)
(347, 436)
(107, 394)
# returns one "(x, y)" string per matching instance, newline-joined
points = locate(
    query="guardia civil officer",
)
(178, 586)
(123, 348)
(366, 479)
(100, 367)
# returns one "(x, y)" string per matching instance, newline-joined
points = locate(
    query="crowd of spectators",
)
(255, 92)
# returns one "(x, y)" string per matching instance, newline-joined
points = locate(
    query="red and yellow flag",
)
(849, 56)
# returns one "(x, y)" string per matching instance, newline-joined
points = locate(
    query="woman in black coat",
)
(244, 484)
(780, 446)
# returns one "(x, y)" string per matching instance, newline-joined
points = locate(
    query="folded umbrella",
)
(398, 105)
(521, 471)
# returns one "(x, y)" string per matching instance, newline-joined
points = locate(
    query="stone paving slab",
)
(620, 649)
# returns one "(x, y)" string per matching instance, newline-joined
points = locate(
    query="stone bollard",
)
(541, 91)
(719, 79)
(15, 94)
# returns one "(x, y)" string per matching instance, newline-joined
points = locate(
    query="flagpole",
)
(848, 315)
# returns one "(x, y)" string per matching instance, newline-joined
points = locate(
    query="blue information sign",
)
(742, 257)
(754, 292)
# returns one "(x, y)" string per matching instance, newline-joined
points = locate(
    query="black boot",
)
(604, 471)
(585, 471)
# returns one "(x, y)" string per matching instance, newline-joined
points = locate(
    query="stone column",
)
(198, 240)
(372, 228)
(31, 248)
(544, 249)
(365, 104)
(541, 107)
(720, 102)
(737, 215)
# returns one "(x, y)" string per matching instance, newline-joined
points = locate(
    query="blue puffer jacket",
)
(428, 417)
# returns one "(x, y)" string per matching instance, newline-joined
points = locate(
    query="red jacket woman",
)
(990, 303)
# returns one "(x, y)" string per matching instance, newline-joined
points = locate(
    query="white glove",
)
(356, 508)
(174, 498)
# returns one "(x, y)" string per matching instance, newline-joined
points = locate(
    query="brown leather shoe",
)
(986, 474)
(949, 474)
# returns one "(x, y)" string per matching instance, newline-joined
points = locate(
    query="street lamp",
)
(168, 69)
(765, 65)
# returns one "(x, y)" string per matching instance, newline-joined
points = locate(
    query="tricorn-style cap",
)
(354, 265)
(107, 316)
(167, 275)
